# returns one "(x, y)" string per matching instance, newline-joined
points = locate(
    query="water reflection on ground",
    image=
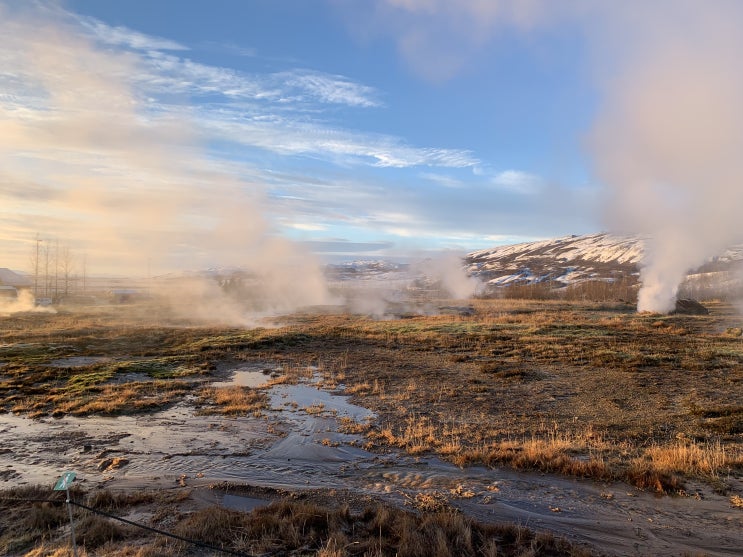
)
(296, 445)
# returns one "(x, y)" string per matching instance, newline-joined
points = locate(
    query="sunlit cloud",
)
(312, 227)
(99, 148)
(346, 247)
(115, 139)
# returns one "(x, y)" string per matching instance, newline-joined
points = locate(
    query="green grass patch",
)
(82, 381)
(166, 367)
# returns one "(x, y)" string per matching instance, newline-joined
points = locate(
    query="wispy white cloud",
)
(340, 246)
(231, 48)
(172, 73)
(442, 180)
(280, 112)
(272, 111)
(518, 181)
(335, 89)
(166, 73)
(292, 136)
(124, 136)
(123, 36)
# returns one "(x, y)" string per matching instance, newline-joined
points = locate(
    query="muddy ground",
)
(311, 374)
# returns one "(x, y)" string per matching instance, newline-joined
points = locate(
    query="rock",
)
(685, 306)
(118, 462)
(112, 463)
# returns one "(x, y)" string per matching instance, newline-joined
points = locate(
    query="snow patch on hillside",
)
(568, 260)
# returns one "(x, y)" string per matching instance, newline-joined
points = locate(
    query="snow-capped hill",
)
(564, 260)
(365, 270)
(574, 259)
(601, 247)
(732, 254)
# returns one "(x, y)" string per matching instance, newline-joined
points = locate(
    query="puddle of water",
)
(17, 345)
(302, 396)
(134, 377)
(241, 503)
(305, 449)
(251, 376)
(245, 378)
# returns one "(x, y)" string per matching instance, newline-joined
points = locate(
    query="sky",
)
(182, 134)
(137, 123)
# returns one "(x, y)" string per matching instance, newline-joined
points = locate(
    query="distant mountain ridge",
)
(571, 260)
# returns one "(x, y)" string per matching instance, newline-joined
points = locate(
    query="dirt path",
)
(298, 448)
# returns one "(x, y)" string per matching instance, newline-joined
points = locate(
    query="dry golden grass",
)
(53, 550)
(576, 388)
(285, 527)
(351, 426)
(318, 408)
(232, 401)
(710, 461)
(617, 388)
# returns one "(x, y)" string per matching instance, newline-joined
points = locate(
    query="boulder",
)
(685, 306)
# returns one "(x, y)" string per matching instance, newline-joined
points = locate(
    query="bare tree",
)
(85, 272)
(67, 270)
(56, 269)
(36, 263)
(47, 277)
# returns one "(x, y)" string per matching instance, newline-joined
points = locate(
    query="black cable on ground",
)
(131, 523)
(160, 532)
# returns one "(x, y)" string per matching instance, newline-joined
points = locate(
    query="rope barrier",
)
(132, 523)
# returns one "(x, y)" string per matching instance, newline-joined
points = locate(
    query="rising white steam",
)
(669, 138)
(23, 303)
(667, 141)
(121, 176)
(448, 273)
(386, 290)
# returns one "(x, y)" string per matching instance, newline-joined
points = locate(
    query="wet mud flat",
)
(243, 463)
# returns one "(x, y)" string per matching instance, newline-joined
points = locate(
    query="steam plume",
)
(23, 303)
(447, 270)
(667, 141)
(87, 155)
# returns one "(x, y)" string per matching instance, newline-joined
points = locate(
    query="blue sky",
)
(318, 115)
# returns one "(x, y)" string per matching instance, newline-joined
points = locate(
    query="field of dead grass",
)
(581, 389)
(290, 526)
(586, 390)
